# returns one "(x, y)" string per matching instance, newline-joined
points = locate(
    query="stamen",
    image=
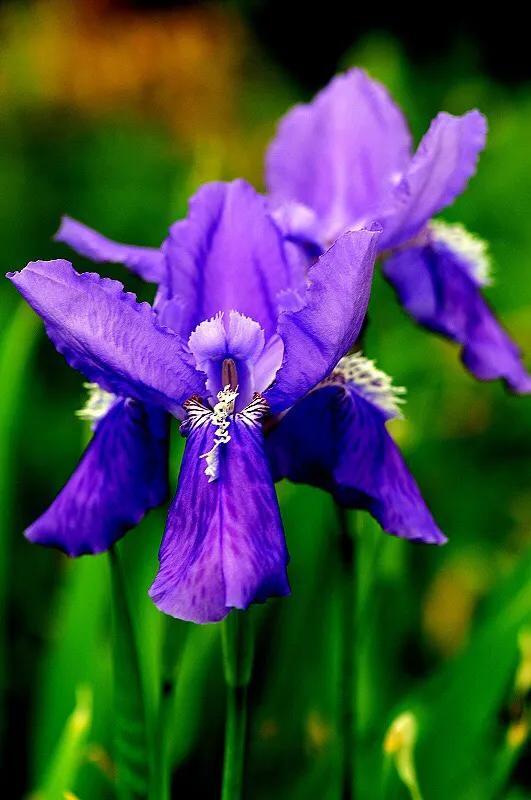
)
(229, 374)
(372, 383)
(473, 251)
(221, 412)
(98, 403)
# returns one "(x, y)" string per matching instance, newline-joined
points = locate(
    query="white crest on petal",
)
(220, 418)
(98, 404)
(198, 414)
(371, 383)
(472, 251)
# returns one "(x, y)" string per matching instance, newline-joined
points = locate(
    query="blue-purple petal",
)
(147, 262)
(336, 440)
(122, 474)
(439, 293)
(445, 161)
(340, 154)
(112, 339)
(224, 545)
(227, 255)
(329, 320)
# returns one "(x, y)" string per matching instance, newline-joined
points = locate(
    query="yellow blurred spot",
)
(401, 430)
(319, 732)
(399, 744)
(517, 733)
(70, 796)
(522, 681)
(451, 600)
(81, 717)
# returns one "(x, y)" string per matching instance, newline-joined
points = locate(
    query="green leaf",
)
(458, 708)
(18, 343)
(131, 738)
(70, 751)
(76, 653)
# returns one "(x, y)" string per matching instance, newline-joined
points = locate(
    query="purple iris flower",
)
(345, 159)
(249, 352)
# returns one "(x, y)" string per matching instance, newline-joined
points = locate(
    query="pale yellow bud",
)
(399, 744)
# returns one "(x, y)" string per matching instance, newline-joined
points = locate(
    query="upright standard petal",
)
(148, 262)
(341, 154)
(122, 474)
(437, 289)
(329, 320)
(113, 340)
(224, 546)
(444, 162)
(241, 340)
(336, 439)
(227, 255)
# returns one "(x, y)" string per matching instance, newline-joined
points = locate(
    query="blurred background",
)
(115, 112)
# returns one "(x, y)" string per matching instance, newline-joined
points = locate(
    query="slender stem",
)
(238, 647)
(235, 733)
(174, 636)
(348, 676)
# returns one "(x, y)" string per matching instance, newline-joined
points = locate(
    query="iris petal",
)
(148, 262)
(336, 440)
(341, 153)
(327, 324)
(227, 254)
(437, 289)
(445, 160)
(122, 474)
(224, 545)
(112, 339)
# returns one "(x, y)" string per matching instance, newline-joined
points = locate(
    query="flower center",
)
(220, 418)
(232, 351)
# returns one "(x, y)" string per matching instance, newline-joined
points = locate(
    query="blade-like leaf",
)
(17, 345)
(130, 722)
(69, 753)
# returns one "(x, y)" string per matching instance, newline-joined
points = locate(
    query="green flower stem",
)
(348, 666)
(238, 647)
(133, 764)
(173, 644)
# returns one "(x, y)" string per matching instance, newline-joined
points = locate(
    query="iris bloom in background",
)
(345, 160)
(239, 344)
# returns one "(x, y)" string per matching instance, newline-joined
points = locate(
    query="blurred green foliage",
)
(437, 629)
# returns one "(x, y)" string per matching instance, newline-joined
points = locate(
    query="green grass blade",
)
(18, 342)
(76, 653)
(130, 720)
(70, 751)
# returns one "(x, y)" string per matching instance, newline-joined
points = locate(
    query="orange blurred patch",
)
(180, 66)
